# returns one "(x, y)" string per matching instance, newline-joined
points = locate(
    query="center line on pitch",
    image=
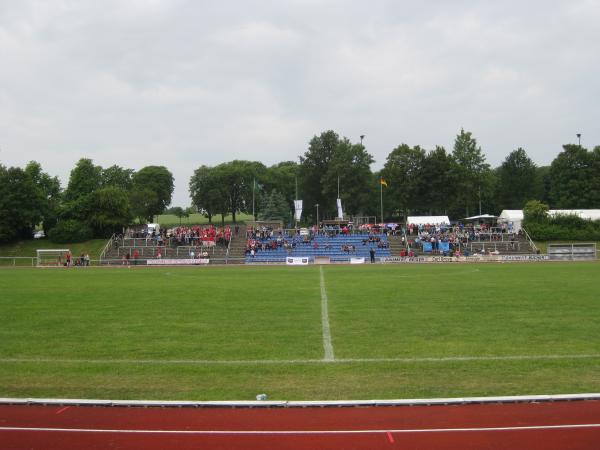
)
(327, 345)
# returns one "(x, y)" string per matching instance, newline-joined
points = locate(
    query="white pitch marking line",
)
(298, 361)
(301, 432)
(327, 345)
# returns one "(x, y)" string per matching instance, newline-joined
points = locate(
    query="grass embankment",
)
(218, 333)
(28, 249)
(170, 220)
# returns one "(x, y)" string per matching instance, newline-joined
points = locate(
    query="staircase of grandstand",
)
(237, 247)
(396, 244)
(357, 245)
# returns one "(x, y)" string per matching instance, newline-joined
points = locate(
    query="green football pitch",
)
(329, 332)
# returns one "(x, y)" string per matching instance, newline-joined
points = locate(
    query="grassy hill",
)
(28, 248)
(170, 220)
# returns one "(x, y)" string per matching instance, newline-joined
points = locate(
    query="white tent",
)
(513, 219)
(515, 216)
(592, 214)
(431, 220)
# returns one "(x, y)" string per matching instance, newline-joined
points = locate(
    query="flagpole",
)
(381, 195)
(296, 198)
(253, 187)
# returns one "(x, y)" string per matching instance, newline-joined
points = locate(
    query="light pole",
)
(362, 136)
(317, 205)
(579, 138)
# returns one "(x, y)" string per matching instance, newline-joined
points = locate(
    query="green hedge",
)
(67, 231)
(569, 227)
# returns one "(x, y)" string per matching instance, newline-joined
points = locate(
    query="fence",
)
(17, 261)
(585, 251)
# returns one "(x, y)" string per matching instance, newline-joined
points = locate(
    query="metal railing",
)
(17, 261)
(108, 245)
(533, 246)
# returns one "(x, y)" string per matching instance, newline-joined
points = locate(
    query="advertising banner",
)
(297, 209)
(357, 260)
(295, 261)
(176, 262)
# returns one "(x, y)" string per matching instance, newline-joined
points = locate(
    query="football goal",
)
(52, 257)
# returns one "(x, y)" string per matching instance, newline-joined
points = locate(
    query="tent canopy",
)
(510, 215)
(592, 214)
(431, 220)
(481, 217)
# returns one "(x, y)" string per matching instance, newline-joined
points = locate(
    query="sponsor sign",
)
(522, 257)
(472, 259)
(176, 262)
(296, 261)
(357, 260)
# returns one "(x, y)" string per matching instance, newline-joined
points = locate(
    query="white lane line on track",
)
(301, 432)
(327, 345)
(298, 361)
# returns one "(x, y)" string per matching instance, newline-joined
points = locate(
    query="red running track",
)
(571, 425)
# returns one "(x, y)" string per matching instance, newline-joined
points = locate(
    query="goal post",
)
(48, 257)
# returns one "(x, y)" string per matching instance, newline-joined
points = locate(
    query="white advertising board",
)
(176, 262)
(296, 261)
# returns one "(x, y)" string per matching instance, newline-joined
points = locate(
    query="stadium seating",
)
(334, 250)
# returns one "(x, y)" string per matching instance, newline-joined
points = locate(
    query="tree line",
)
(99, 201)
(419, 182)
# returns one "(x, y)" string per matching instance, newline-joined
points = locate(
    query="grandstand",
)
(336, 247)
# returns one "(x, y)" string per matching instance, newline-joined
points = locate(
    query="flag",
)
(383, 182)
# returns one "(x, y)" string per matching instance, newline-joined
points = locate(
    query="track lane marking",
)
(301, 432)
(297, 361)
(62, 410)
(327, 345)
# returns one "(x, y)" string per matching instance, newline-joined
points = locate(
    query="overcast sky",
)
(185, 83)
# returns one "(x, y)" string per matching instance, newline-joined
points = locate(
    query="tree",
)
(109, 211)
(118, 177)
(208, 192)
(535, 211)
(313, 169)
(49, 189)
(517, 181)
(85, 178)
(153, 184)
(275, 207)
(283, 177)
(439, 176)
(238, 177)
(21, 203)
(143, 200)
(471, 169)
(574, 178)
(403, 172)
(351, 165)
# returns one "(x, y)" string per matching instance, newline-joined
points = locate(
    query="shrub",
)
(67, 231)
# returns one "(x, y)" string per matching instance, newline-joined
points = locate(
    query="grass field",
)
(397, 331)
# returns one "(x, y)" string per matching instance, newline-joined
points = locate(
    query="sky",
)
(184, 83)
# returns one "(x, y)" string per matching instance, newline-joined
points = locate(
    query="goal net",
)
(52, 257)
